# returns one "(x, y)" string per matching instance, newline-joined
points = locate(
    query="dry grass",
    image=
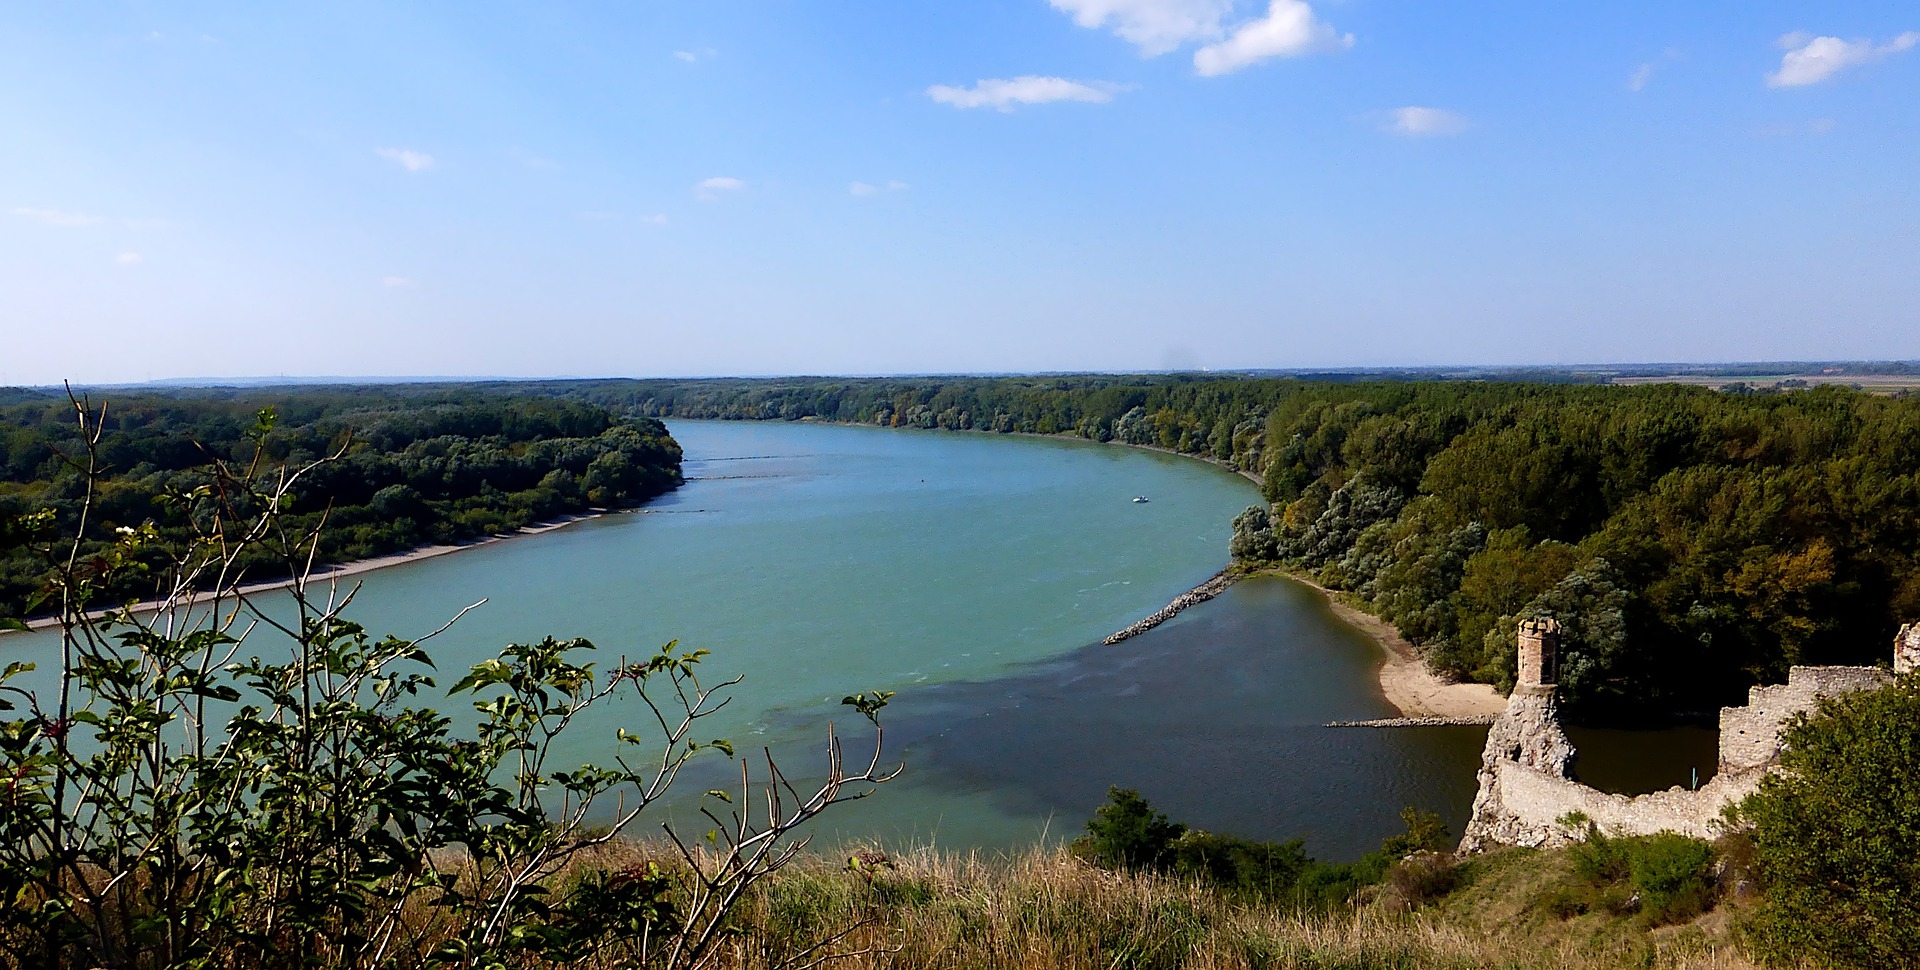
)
(1048, 909)
(1045, 908)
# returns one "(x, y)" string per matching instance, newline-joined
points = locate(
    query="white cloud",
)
(695, 55)
(1155, 26)
(710, 189)
(129, 259)
(1004, 93)
(1810, 60)
(396, 282)
(866, 189)
(1288, 30)
(410, 160)
(1417, 122)
(59, 219)
(658, 218)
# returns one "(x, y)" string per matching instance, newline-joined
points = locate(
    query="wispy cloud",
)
(1004, 93)
(712, 188)
(406, 158)
(1810, 60)
(696, 55)
(1642, 75)
(1417, 122)
(396, 282)
(129, 259)
(1155, 26)
(867, 188)
(58, 218)
(1288, 30)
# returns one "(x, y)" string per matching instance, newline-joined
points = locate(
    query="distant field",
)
(1875, 383)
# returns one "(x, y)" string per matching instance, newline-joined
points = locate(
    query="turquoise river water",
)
(974, 575)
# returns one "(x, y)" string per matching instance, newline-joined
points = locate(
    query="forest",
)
(409, 467)
(1693, 542)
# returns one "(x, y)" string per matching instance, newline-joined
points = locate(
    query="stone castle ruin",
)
(1526, 771)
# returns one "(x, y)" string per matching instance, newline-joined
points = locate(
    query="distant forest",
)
(421, 465)
(1692, 542)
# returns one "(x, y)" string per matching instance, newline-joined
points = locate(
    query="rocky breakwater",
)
(1213, 587)
(1427, 720)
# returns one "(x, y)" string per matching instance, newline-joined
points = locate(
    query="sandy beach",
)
(1406, 680)
(325, 574)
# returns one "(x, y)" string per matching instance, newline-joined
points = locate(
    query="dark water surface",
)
(1217, 717)
(973, 574)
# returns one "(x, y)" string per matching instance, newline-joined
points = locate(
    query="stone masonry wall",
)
(1526, 783)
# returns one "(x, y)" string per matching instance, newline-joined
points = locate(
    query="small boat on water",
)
(1139, 498)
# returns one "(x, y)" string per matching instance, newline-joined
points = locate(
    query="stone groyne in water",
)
(1214, 586)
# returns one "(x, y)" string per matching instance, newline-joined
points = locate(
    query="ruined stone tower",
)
(1527, 787)
(1539, 652)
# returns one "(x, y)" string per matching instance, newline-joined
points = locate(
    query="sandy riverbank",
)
(1406, 680)
(328, 574)
(1409, 684)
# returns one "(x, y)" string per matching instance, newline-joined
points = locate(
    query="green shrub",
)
(1835, 833)
(1265, 870)
(1423, 877)
(1667, 877)
(1127, 833)
(1673, 875)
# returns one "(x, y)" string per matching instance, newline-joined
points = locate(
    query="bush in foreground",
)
(1128, 834)
(1837, 833)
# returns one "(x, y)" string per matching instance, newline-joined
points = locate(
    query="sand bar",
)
(356, 567)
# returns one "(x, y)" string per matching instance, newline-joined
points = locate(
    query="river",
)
(974, 575)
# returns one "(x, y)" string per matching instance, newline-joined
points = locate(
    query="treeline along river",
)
(974, 575)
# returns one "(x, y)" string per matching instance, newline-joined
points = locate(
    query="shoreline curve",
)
(357, 566)
(1409, 685)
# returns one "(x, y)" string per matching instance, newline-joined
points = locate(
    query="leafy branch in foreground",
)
(233, 780)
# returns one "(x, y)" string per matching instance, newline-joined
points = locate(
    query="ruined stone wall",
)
(1527, 788)
(1906, 649)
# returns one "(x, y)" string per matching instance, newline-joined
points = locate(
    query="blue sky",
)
(665, 188)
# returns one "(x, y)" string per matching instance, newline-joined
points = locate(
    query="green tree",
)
(1253, 540)
(1127, 833)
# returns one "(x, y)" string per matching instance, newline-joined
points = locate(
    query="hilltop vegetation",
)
(415, 467)
(1693, 542)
